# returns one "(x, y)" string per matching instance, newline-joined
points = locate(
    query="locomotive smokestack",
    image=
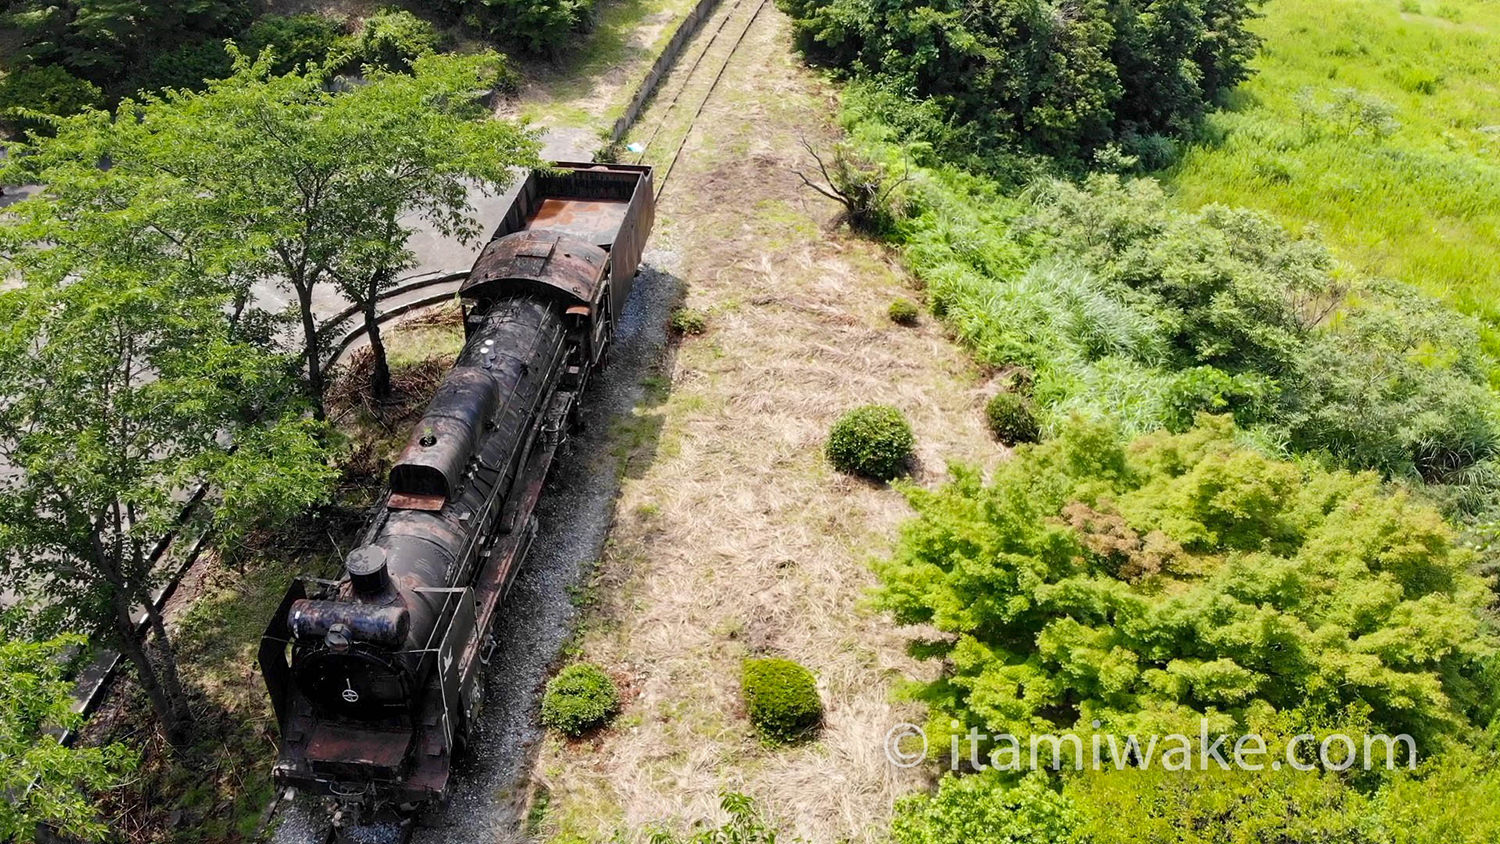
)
(367, 571)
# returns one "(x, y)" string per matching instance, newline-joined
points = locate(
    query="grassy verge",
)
(587, 87)
(1377, 122)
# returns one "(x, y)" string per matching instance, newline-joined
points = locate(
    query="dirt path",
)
(732, 536)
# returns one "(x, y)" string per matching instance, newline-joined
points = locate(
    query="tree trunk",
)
(380, 374)
(171, 679)
(133, 650)
(310, 349)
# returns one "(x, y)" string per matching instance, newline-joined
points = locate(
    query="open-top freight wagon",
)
(375, 677)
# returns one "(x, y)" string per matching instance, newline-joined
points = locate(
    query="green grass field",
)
(1378, 122)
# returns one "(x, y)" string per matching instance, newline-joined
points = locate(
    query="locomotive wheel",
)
(464, 738)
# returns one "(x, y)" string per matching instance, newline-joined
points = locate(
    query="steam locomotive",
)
(375, 677)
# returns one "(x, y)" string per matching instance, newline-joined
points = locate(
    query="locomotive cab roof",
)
(538, 261)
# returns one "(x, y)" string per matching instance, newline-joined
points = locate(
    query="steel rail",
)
(662, 186)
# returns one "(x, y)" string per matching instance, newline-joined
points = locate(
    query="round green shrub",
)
(874, 441)
(392, 40)
(782, 699)
(903, 312)
(1011, 419)
(580, 698)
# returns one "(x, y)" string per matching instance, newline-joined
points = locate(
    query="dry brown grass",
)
(736, 538)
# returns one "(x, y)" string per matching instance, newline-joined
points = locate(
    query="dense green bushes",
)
(1095, 587)
(391, 40)
(1061, 79)
(110, 44)
(1266, 326)
(874, 441)
(1194, 573)
(580, 698)
(983, 810)
(147, 45)
(781, 698)
(49, 90)
(1449, 800)
(1187, 576)
(295, 40)
(1130, 311)
(540, 26)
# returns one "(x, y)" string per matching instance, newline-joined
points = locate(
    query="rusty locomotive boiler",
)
(375, 677)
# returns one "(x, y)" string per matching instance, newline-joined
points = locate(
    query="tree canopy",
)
(1187, 576)
(44, 781)
(129, 371)
(284, 178)
(1061, 79)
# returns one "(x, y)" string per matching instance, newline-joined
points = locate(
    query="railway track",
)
(692, 80)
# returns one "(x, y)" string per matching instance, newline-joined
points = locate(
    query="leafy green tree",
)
(129, 369)
(1186, 576)
(413, 145)
(1124, 308)
(277, 177)
(1063, 79)
(46, 782)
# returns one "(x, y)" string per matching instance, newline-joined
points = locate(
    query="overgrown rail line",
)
(661, 187)
(446, 284)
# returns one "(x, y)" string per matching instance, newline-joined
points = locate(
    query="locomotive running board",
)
(509, 552)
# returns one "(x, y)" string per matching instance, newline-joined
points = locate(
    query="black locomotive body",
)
(375, 678)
